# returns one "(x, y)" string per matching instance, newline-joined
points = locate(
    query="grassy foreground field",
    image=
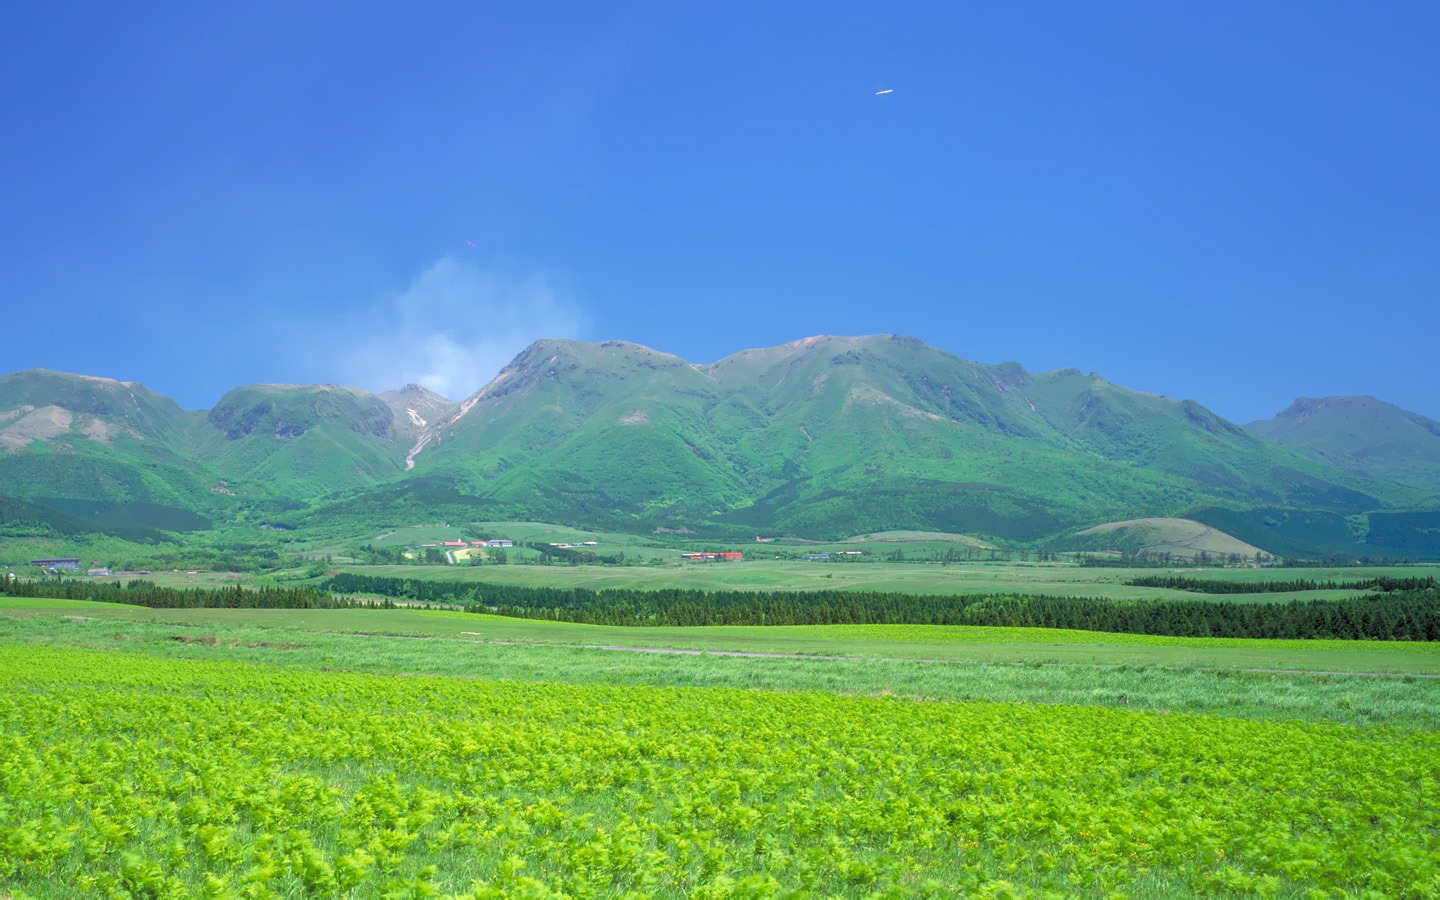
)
(959, 644)
(429, 643)
(128, 773)
(253, 752)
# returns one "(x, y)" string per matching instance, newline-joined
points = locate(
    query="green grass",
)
(21, 604)
(1199, 675)
(129, 774)
(913, 578)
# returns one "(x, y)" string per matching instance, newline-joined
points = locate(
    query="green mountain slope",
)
(831, 436)
(304, 441)
(824, 438)
(85, 445)
(60, 408)
(596, 428)
(1361, 435)
(117, 455)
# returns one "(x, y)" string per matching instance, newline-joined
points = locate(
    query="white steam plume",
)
(453, 329)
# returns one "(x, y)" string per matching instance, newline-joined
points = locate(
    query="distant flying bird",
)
(472, 243)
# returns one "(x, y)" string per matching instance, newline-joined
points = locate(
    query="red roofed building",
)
(452, 543)
(732, 556)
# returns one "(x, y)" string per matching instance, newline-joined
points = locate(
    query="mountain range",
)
(823, 437)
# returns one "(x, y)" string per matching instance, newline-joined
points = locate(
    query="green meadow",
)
(932, 661)
(953, 644)
(172, 765)
(906, 577)
(422, 752)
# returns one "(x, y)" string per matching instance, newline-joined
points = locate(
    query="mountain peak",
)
(413, 390)
(1360, 434)
(1304, 406)
(292, 410)
(416, 407)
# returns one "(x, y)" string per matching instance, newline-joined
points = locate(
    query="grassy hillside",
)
(830, 436)
(113, 455)
(1181, 538)
(40, 405)
(305, 440)
(1361, 435)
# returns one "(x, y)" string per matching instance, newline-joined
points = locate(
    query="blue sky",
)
(1237, 203)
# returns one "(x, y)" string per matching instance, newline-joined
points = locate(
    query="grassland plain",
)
(129, 774)
(913, 578)
(1201, 675)
(943, 643)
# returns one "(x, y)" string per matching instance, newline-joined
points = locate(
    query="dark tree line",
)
(1394, 615)
(1382, 585)
(1148, 559)
(146, 593)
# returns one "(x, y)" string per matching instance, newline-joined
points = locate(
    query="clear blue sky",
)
(1235, 202)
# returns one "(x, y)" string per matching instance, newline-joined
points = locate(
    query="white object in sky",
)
(884, 91)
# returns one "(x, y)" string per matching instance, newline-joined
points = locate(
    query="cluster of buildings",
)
(712, 557)
(498, 542)
(570, 546)
(72, 564)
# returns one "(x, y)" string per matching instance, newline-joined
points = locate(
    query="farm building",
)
(64, 562)
(817, 556)
(500, 542)
(452, 543)
(98, 573)
(711, 557)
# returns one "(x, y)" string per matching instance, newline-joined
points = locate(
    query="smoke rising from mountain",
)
(454, 328)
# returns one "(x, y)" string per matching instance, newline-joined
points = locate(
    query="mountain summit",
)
(1361, 435)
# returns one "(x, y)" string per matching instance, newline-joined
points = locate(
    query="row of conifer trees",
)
(1383, 584)
(140, 592)
(1394, 615)
(1401, 613)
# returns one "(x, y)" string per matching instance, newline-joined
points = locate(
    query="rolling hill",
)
(1179, 538)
